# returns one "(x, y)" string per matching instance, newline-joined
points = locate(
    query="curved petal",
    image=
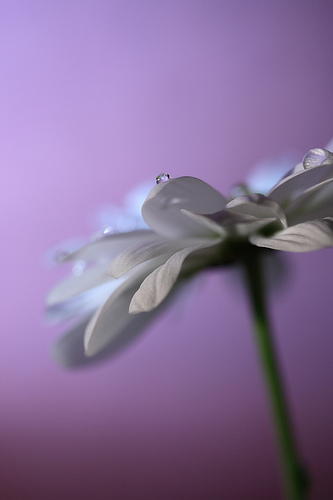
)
(75, 285)
(109, 246)
(112, 318)
(207, 222)
(259, 206)
(294, 185)
(232, 223)
(135, 256)
(82, 304)
(69, 351)
(158, 284)
(162, 210)
(304, 237)
(315, 203)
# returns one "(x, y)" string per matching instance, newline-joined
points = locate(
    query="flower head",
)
(192, 226)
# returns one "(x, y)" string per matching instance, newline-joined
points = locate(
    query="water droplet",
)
(59, 255)
(162, 178)
(315, 157)
(107, 230)
(104, 231)
(79, 267)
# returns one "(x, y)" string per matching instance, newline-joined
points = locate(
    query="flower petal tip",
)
(136, 307)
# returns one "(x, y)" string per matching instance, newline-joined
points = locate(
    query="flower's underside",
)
(192, 227)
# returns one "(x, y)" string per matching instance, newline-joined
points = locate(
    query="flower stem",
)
(295, 478)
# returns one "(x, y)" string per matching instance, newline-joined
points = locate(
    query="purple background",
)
(95, 97)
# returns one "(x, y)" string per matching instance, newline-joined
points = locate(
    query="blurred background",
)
(96, 97)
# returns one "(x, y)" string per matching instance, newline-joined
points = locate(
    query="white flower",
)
(192, 226)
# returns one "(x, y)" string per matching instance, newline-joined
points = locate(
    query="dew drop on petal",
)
(78, 267)
(315, 158)
(107, 230)
(104, 231)
(59, 255)
(162, 178)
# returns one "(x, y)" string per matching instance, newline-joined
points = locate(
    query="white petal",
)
(69, 349)
(113, 317)
(162, 210)
(109, 246)
(158, 284)
(82, 304)
(294, 185)
(258, 206)
(315, 203)
(135, 256)
(304, 237)
(233, 224)
(75, 285)
(206, 222)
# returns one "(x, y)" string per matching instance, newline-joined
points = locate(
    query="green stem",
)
(295, 479)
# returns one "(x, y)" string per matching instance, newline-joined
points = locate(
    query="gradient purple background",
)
(96, 96)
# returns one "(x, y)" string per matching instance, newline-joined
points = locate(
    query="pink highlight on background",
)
(97, 97)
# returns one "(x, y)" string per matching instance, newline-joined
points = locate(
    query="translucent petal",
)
(289, 188)
(82, 304)
(304, 237)
(314, 203)
(69, 350)
(109, 246)
(113, 317)
(75, 285)
(162, 210)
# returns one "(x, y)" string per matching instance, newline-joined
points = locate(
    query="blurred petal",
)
(69, 349)
(75, 285)
(294, 185)
(304, 237)
(82, 304)
(315, 203)
(158, 284)
(112, 318)
(109, 246)
(162, 210)
(258, 206)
